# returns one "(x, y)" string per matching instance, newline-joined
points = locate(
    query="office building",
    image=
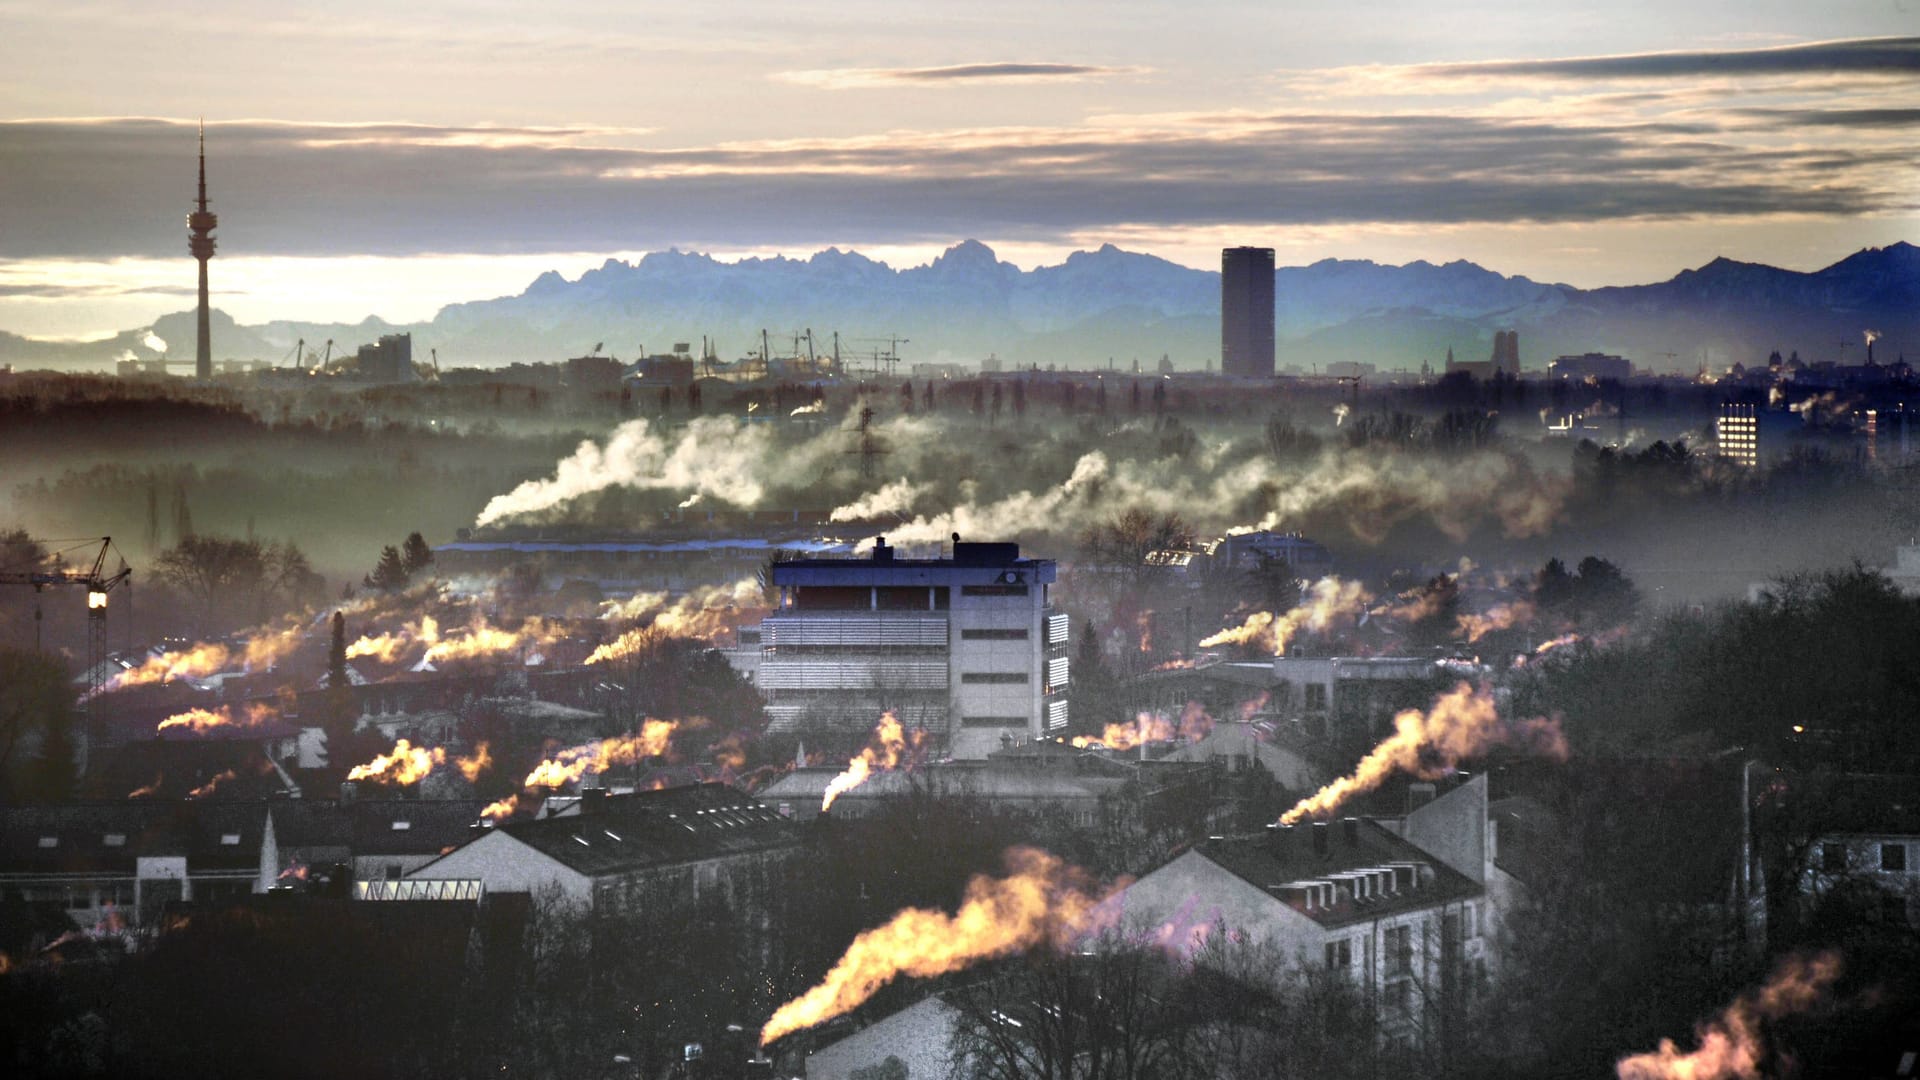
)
(967, 648)
(1246, 312)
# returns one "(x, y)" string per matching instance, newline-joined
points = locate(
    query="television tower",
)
(200, 226)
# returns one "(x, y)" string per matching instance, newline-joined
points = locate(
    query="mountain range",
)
(1118, 306)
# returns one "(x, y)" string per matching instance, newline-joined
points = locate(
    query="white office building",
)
(967, 648)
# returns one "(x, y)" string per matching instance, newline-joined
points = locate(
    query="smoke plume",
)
(1192, 723)
(889, 747)
(568, 766)
(1042, 901)
(199, 721)
(1733, 1045)
(1328, 603)
(1462, 724)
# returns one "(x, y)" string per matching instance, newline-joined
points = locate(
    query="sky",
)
(385, 159)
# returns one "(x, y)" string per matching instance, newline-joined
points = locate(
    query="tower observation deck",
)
(200, 226)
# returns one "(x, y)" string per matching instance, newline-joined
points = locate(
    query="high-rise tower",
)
(1246, 312)
(200, 226)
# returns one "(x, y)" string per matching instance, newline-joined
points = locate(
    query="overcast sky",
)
(388, 158)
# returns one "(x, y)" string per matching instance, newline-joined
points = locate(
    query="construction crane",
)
(41, 574)
(890, 358)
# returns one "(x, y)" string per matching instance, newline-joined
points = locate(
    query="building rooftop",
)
(1341, 872)
(617, 834)
(949, 779)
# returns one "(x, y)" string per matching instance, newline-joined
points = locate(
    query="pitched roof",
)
(412, 826)
(1291, 856)
(108, 838)
(986, 781)
(647, 829)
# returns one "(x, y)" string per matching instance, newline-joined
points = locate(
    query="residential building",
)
(1296, 763)
(132, 857)
(916, 1036)
(620, 851)
(1364, 898)
(1736, 434)
(1246, 312)
(388, 360)
(1868, 831)
(1591, 366)
(1351, 698)
(1242, 551)
(967, 648)
(1081, 796)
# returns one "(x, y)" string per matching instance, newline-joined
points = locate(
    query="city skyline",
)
(409, 160)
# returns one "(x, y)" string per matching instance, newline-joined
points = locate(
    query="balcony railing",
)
(884, 630)
(783, 674)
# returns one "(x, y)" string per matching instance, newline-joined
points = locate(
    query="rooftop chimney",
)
(1419, 795)
(348, 790)
(881, 552)
(1350, 828)
(1320, 838)
(592, 800)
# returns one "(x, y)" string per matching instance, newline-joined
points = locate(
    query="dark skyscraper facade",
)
(200, 226)
(1246, 312)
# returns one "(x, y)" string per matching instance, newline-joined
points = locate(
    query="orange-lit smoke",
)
(889, 747)
(387, 648)
(1560, 642)
(1462, 723)
(404, 764)
(472, 767)
(1732, 1045)
(502, 808)
(1499, 617)
(207, 788)
(200, 721)
(1193, 723)
(569, 765)
(262, 649)
(147, 791)
(1327, 603)
(484, 639)
(708, 613)
(730, 752)
(1042, 901)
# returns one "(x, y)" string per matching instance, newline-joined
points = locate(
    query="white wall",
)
(506, 865)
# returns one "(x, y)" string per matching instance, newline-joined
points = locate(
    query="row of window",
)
(994, 721)
(1833, 857)
(998, 678)
(1018, 633)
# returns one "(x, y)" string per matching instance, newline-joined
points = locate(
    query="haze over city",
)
(1123, 541)
(381, 162)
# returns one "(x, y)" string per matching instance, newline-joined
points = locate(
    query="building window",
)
(1006, 678)
(1471, 929)
(1400, 950)
(1893, 856)
(993, 590)
(990, 633)
(49, 841)
(114, 839)
(1833, 858)
(1316, 695)
(231, 839)
(393, 871)
(1339, 954)
(994, 721)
